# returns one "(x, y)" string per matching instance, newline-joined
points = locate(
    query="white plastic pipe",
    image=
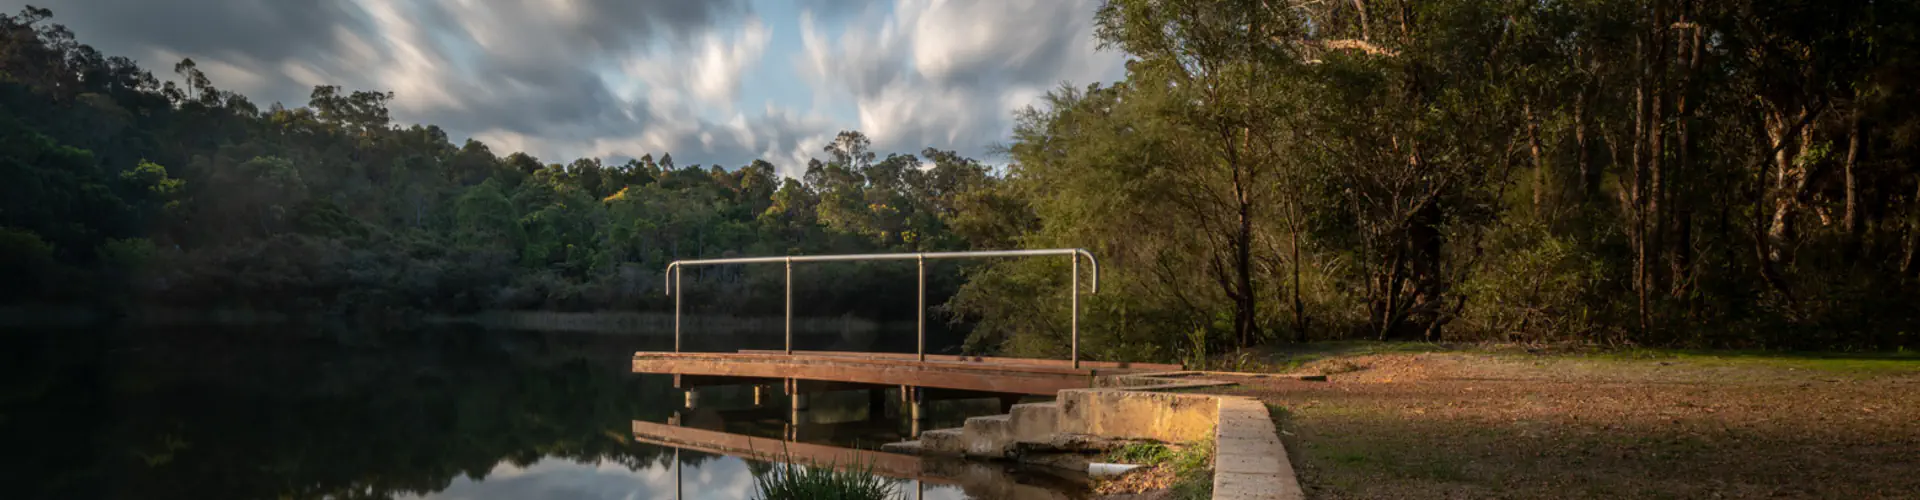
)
(1097, 469)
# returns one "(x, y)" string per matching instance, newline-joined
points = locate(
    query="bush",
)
(1534, 287)
(788, 481)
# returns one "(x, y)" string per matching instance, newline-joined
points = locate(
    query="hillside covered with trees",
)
(1734, 173)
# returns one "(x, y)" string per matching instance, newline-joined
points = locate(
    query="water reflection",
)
(725, 478)
(279, 413)
(719, 478)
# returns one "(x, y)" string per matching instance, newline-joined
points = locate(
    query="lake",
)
(442, 412)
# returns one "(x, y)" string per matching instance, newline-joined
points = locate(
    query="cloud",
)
(949, 73)
(708, 81)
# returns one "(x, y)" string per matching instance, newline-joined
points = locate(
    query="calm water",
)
(298, 413)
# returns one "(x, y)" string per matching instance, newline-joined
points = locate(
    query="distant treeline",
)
(1715, 173)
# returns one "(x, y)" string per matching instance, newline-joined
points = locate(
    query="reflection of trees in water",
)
(233, 417)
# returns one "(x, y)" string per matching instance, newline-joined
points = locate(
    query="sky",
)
(709, 81)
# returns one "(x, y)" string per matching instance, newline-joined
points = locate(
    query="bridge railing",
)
(673, 283)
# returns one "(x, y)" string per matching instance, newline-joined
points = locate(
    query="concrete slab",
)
(1035, 423)
(1250, 462)
(1246, 462)
(943, 442)
(988, 437)
(1240, 486)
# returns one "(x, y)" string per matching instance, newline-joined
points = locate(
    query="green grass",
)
(1192, 465)
(788, 481)
(1291, 358)
(1193, 471)
(1827, 361)
(1141, 453)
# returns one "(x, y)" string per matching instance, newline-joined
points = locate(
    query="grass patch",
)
(1292, 357)
(1826, 361)
(1193, 471)
(788, 481)
(1141, 453)
(1184, 472)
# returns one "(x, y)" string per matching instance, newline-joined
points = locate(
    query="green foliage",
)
(152, 178)
(788, 481)
(1727, 173)
(129, 254)
(332, 206)
(1141, 453)
(1193, 471)
(1536, 288)
(25, 259)
(1672, 173)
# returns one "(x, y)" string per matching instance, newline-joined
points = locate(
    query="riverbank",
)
(1510, 423)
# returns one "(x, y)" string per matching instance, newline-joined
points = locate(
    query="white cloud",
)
(950, 73)
(716, 72)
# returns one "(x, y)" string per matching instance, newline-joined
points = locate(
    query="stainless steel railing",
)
(674, 269)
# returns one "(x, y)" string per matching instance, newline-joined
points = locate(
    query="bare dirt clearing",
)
(1478, 425)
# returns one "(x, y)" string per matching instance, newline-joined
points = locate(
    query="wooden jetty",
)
(961, 373)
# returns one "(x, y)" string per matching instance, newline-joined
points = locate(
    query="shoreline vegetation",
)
(1720, 174)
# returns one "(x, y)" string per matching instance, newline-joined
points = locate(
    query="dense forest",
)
(1731, 173)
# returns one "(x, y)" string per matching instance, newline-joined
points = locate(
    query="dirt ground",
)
(1499, 425)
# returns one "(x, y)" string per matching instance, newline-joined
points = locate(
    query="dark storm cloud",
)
(529, 67)
(264, 29)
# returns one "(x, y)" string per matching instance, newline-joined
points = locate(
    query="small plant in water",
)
(788, 481)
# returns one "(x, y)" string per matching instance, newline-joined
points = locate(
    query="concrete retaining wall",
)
(1160, 416)
(1249, 460)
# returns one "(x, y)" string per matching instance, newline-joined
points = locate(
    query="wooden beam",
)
(1103, 366)
(1021, 379)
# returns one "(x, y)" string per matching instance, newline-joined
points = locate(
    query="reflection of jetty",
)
(963, 373)
(977, 480)
(774, 449)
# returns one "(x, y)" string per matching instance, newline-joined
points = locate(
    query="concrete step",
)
(903, 447)
(989, 436)
(943, 442)
(1035, 423)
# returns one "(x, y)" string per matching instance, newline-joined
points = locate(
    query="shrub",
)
(788, 481)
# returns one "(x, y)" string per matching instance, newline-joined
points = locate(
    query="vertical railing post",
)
(678, 273)
(921, 313)
(789, 306)
(1074, 325)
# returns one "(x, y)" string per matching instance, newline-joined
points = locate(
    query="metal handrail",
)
(673, 280)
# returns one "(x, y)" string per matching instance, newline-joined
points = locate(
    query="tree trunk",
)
(1850, 220)
(1244, 317)
(1656, 142)
(1636, 196)
(1680, 253)
(1539, 167)
(1789, 178)
(1913, 236)
(1299, 307)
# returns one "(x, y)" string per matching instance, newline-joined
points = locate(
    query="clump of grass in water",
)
(788, 481)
